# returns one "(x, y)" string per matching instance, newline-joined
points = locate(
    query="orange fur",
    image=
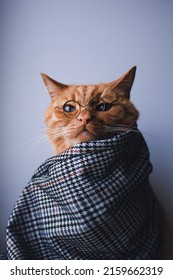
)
(64, 132)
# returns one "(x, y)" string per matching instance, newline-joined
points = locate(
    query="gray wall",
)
(82, 41)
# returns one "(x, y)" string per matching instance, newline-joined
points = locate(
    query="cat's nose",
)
(84, 117)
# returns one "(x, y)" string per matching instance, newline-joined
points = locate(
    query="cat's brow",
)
(85, 91)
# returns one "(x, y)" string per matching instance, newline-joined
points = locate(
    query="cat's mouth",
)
(84, 131)
(85, 135)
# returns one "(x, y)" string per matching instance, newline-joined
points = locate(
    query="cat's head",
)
(81, 113)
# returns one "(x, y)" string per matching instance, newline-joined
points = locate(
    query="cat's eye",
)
(69, 108)
(104, 107)
(108, 106)
(100, 107)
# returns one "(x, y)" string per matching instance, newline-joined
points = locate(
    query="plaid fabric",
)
(92, 201)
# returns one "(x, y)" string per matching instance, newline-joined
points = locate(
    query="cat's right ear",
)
(54, 88)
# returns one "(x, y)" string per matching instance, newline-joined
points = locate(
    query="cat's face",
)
(81, 113)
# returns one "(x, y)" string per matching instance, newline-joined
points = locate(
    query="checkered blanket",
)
(92, 201)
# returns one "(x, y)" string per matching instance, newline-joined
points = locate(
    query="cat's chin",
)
(85, 136)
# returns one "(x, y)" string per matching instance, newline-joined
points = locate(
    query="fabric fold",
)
(93, 201)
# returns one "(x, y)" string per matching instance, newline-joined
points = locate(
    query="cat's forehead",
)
(83, 93)
(85, 90)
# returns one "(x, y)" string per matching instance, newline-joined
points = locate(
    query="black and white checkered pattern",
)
(93, 201)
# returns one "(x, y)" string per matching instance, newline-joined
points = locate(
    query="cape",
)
(93, 201)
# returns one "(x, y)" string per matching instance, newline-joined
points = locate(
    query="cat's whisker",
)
(55, 134)
(38, 139)
(34, 142)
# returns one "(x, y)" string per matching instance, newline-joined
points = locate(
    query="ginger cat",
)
(81, 113)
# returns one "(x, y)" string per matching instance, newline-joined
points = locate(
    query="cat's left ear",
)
(123, 85)
(54, 88)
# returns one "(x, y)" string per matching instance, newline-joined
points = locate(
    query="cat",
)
(82, 113)
(99, 112)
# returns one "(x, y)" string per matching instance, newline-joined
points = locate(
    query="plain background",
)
(82, 41)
